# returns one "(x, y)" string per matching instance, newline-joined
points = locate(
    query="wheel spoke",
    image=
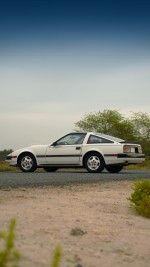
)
(26, 163)
(93, 163)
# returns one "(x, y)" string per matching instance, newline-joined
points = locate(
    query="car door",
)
(66, 151)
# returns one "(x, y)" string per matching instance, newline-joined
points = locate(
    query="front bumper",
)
(12, 160)
(8, 158)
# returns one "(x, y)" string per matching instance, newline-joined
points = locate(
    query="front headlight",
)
(8, 157)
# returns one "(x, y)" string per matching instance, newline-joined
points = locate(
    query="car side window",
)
(97, 139)
(71, 139)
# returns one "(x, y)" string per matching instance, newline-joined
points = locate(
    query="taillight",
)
(126, 149)
(132, 149)
(140, 149)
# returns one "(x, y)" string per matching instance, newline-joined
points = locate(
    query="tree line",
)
(4, 153)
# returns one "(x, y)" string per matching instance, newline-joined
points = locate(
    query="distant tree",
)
(4, 153)
(108, 122)
(141, 123)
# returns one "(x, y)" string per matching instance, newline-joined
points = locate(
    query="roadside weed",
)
(56, 257)
(140, 198)
(9, 256)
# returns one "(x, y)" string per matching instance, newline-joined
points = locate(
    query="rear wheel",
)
(94, 162)
(50, 169)
(27, 162)
(114, 168)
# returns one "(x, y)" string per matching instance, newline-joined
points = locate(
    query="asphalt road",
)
(40, 179)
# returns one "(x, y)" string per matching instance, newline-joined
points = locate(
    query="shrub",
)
(9, 256)
(140, 198)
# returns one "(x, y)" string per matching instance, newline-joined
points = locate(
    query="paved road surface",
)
(60, 178)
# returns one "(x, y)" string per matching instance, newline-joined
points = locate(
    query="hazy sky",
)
(62, 59)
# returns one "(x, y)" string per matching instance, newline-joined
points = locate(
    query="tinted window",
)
(116, 139)
(71, 139)
(98, 139)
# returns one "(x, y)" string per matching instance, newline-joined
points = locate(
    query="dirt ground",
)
(93, 224)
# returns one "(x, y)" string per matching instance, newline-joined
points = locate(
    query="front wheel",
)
(114, 168)
(94, 162)
(50, 169)
(27, 163)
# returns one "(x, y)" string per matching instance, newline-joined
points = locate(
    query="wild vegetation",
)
(9, 256)
(140, 198)
(5, 167)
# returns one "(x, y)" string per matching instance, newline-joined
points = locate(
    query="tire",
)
(50, 169)
(94, 162)
(27, 162)
(114, 168)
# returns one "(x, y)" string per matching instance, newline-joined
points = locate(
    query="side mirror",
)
(54, 144)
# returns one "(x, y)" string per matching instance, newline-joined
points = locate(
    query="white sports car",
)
(93, 151)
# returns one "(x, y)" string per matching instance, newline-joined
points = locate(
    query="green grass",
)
(143, 166)
(5, 167)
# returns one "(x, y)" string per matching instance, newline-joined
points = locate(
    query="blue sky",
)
(61, 60)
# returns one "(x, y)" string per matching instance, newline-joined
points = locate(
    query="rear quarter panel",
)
(108, 151)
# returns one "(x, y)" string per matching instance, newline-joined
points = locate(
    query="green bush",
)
(140, 198)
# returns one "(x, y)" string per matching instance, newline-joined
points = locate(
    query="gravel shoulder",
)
(92, 223)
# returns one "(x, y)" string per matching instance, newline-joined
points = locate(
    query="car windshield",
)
(119, 140)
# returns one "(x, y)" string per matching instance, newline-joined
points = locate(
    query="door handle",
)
(78, 147)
